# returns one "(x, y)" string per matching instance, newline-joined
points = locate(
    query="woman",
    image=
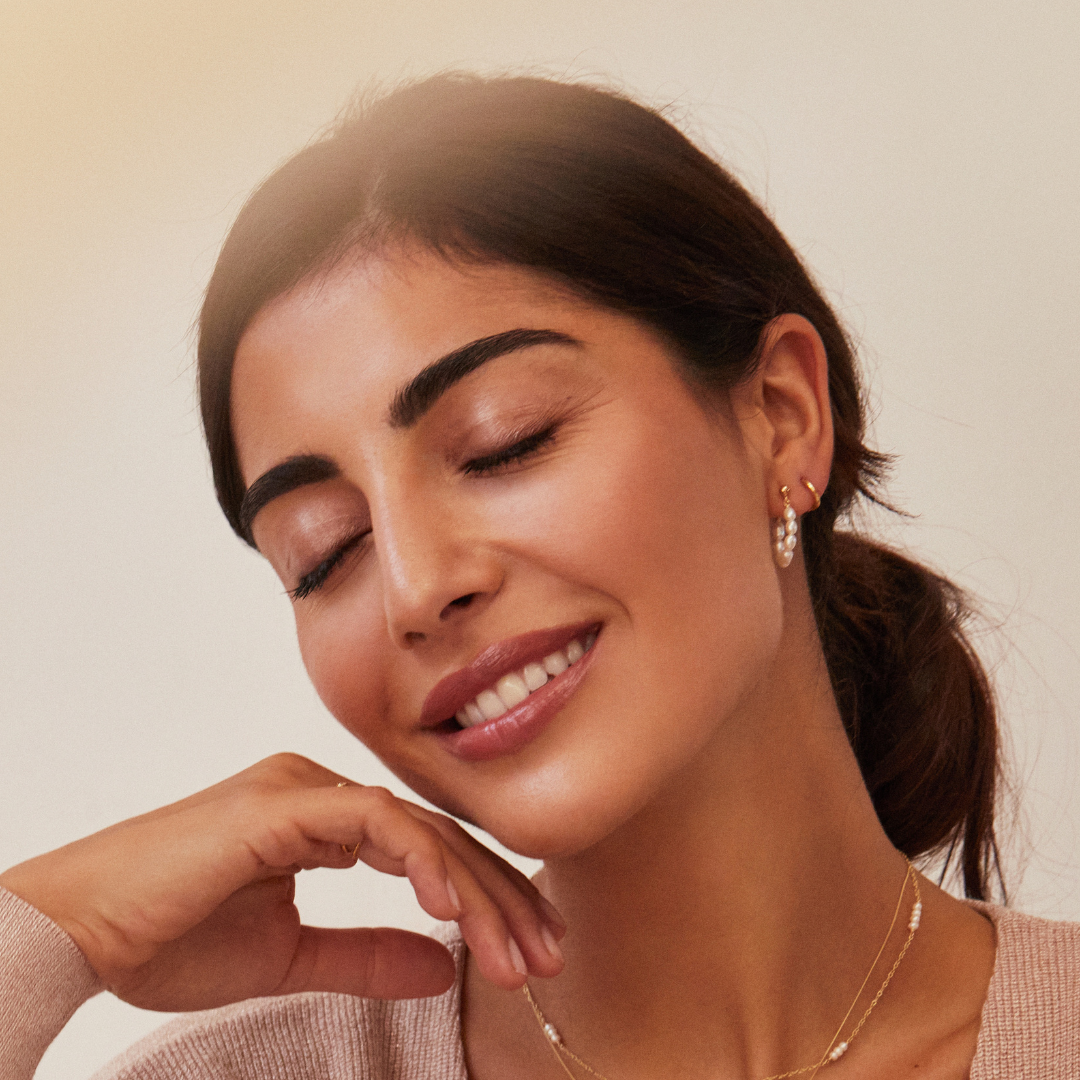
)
(546, 430)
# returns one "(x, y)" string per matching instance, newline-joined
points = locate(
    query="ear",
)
(784, 412)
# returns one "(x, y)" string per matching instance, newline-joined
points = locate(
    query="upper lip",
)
(449, 695)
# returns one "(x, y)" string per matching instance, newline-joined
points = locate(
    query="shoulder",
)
(308, 1036)
(1031, 1019)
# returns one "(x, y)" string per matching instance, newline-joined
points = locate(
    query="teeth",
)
(514, 688)
(490, 704)
(535, 676)
(556, 663)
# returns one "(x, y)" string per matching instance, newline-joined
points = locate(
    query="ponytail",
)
(914, 699)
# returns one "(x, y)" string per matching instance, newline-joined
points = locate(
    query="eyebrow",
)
(292, 473)
(420, 394)
(409, 405)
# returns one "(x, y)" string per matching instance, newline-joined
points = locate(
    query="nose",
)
(436, 572)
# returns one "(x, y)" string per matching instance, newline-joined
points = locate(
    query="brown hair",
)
(612, 201)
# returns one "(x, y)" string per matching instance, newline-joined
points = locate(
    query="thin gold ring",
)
(345, 783)
(813, 491)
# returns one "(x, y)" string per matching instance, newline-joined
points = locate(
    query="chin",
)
(558, 825)
(550, 843)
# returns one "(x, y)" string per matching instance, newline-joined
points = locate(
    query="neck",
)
(741, 904)
(725, 929)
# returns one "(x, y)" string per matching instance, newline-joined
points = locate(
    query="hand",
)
(191, 906)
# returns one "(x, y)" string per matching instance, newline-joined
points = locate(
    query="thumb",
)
(379, 963)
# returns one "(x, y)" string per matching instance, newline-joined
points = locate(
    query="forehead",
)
(345, 341)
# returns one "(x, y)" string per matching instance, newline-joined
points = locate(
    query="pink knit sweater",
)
(1030, 1022)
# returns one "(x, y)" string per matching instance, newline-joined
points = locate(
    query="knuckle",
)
(448, 831)
(288, 765)
(283, 769)
(428, 839)
(380, 798)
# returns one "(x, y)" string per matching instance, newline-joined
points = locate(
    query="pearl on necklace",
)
(838, 1051)
(916, 916)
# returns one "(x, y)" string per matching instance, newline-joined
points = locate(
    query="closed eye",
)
(512, 454)
(314, 579)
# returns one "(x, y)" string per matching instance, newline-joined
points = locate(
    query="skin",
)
(721, 881)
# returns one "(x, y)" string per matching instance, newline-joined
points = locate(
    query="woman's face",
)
(558, 483)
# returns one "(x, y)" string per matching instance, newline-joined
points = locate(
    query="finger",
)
(292, 829)
(488, 864)
(379, 963)
(487, 934)
(392, 832)
(377, 826)
(396, 840)
(389, 835)
(531, 919)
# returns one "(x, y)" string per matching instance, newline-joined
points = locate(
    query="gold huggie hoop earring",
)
(813, 491)
(786, 532)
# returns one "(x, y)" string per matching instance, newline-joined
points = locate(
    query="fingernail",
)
(551, 914)
(516, 959)
(550, 943)
(453, 894)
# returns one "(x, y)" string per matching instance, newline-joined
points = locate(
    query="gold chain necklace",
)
(833, 1052)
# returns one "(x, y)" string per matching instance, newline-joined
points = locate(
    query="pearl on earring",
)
(785, 532)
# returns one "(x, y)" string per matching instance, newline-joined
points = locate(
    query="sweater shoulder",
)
(1031, 1019)
(309, 1036)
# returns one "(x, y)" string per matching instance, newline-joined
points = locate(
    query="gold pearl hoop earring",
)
(785, 532)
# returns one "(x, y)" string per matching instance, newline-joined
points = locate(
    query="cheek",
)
(667, 528)
(664, 516)
(343, 646)
(699, 561)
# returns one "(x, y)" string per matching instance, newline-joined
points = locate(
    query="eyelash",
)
(481, 466)
(314, 579)
(518, 451)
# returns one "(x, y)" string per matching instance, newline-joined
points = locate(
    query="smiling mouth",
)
(507, 678)
(514, 687)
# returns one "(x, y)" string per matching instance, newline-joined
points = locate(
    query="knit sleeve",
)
(44, 978)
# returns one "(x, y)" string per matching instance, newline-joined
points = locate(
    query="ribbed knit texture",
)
(44, 978)
(1031, 1019)
(1030, 1023)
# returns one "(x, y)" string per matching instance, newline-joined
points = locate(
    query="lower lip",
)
(518, 727)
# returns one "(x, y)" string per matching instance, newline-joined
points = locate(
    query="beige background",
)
(923, 156)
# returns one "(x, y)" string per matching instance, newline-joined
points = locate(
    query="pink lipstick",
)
(507, 696)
